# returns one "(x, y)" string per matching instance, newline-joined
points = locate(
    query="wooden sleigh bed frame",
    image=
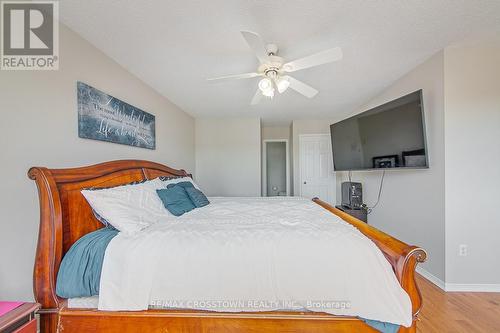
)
(65, 216)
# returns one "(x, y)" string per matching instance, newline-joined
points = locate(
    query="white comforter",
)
(253, 254)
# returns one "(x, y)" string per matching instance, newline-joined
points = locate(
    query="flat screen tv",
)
(391, 135)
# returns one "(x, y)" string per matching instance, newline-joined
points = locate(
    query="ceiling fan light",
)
(265, 84)
(282, 85)
(268, 92)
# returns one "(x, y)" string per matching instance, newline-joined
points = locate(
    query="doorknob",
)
(305, 183)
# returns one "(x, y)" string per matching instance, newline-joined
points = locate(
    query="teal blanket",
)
(80, 271)
(382, 326)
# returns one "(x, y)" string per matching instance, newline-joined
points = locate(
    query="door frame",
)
(300, 165)
(264, 165)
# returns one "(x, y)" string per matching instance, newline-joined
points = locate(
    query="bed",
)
(65, 216)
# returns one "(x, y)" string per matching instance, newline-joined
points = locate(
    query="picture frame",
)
(106, 118)
(384, 162)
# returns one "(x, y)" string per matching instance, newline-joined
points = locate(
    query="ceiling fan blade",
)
(301, 87)
(236, 76)
(256, 44)
(316, 59)
(256, 98)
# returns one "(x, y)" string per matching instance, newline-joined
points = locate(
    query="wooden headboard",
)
(65, 215)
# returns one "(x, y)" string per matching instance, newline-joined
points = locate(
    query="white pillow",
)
(129, 208)
(178, 180)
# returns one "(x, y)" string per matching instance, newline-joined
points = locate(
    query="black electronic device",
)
(352, 195)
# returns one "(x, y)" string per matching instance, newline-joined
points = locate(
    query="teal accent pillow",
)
(197, 197)
(181, 184)
(176, 200)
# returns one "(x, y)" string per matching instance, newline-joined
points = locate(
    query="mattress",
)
(83, 302)
(252, 254)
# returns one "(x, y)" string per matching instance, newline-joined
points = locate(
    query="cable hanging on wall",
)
(370, 209)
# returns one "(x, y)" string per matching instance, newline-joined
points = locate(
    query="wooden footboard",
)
(403, 257)
(65, 216)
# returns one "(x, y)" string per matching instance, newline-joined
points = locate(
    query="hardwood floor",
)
(457, 312)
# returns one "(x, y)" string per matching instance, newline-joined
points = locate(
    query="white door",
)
(316, 167)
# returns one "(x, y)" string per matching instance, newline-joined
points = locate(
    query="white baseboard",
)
(432, 278)
(467, 287)
(460, 287)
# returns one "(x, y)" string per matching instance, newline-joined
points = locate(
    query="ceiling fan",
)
(273, 69)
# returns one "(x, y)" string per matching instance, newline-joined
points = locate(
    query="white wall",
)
(276, 132)
(472, 138)
(38, 127)
(412, 202)
(228, 156)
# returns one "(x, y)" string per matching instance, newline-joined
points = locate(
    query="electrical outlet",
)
(462, 250)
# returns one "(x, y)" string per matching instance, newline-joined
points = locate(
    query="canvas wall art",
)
(106, 118)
